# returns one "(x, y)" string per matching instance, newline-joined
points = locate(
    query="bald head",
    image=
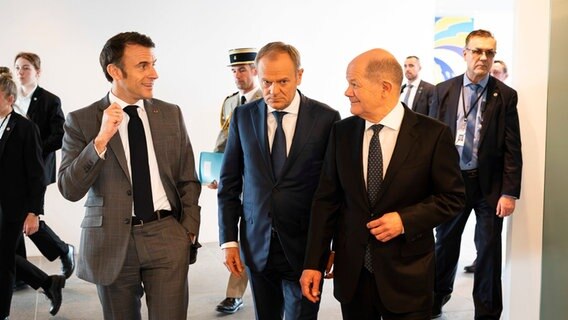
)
(374, 77)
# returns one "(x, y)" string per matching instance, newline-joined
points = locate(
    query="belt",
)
(473, 173)
(157, 215)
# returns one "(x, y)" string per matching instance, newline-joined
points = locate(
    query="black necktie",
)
(141, 185)
(374, 180)
(278, 154)
(243, 100)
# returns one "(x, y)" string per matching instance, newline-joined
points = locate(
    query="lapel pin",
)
(495, 94)
(35, 98)
(155, 110)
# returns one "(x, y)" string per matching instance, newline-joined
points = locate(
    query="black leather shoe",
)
(439, 302)
(68, 262)
(230, 305)
(470, 268)
(54, 293)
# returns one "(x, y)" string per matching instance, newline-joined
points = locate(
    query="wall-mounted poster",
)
(449, 41)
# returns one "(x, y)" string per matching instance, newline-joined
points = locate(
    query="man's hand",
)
(505, 206)
(212, 185)
(310, 283)
(31, 224)
(233, 261)
(112, 117)
(386, 227)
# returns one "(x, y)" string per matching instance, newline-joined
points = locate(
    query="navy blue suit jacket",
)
(499, 155)
(267, 203)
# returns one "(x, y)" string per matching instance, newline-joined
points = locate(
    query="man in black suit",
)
(21, 194)
(482, 113)
(44, 109)
(417, 94)
(390, 175)
(273, 156)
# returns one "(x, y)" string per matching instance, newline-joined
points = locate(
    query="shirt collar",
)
(293, 108)
(249, 95)
(482, 82)
(112, 98)
(29, 96)
(414, 83)
(392, 120)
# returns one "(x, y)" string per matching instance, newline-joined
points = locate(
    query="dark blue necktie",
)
(467, 151)
(278, 154)
(141, 185)
(374, 180)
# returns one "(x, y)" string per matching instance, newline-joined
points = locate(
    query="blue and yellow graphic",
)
(449, 40)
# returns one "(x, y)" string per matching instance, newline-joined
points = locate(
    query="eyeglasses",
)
(478, 52)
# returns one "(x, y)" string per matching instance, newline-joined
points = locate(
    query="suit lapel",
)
(356, 157)
(7, 132)
(417, 96)
(258, 119)
(404, 143)
(487, 111)
(453, 103)
(115, 144)
(304, 124)
(33, 102)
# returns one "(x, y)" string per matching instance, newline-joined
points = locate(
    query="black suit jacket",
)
(499, 154)
(45, 111)
(282, 204)
(21, 170)
(424, 97)
(422, 183)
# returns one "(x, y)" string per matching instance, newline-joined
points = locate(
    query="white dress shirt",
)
(415, 84)
(387, 136)
(23, 102)
(158, 192)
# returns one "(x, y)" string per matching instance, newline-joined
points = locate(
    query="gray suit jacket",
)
(107, 222)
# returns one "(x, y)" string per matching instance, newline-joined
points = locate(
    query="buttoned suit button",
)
(129, 192)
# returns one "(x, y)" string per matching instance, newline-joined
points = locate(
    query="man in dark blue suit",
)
(273, 157)
(481, 112)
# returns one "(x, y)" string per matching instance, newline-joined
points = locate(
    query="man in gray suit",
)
(131, 155)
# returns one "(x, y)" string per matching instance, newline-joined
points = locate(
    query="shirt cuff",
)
(102, 153)
(230, 244)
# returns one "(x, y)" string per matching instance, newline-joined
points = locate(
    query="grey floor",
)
(207, 281)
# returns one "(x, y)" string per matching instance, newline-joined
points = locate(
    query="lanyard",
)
(473, 106)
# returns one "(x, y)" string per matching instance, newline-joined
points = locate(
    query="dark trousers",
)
(47, 241)
(30, 274)
(487, 294)
(276, 290)
(367, 304)
(9, 233)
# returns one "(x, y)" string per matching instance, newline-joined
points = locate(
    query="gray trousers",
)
(156, 264)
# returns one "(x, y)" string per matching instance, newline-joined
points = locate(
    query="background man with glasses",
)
(482, 114)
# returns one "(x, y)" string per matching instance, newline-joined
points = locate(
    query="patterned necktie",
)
(374, 180)
(467, 151)
(408, 89)
(243, 100)
(278, 154)
(141, 185)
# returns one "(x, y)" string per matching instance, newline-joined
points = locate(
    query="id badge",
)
(460, 135)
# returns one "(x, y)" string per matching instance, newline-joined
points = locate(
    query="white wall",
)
(193, 37)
